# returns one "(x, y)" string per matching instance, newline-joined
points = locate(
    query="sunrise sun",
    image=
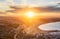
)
(30, 14)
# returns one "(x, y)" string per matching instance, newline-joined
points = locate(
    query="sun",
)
(30, 14)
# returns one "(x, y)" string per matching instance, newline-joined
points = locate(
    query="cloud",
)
(51, 9)
(54, 3)
(5, 5)
(10, 2)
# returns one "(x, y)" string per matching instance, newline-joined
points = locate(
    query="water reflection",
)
(50, 26)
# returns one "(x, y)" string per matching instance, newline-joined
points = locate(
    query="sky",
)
(4, 4)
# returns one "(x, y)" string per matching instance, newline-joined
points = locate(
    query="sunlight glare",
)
(30, 14)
